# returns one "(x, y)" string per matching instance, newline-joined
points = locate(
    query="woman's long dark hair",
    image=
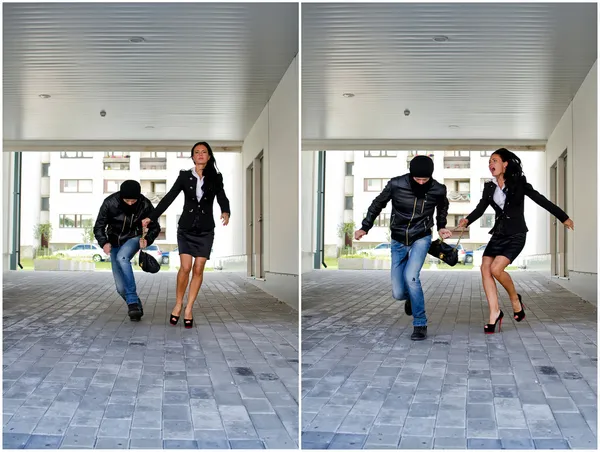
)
(513, 175)
(211, 170)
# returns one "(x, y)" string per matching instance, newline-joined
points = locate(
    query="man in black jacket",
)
(118, 230)
(415, 197)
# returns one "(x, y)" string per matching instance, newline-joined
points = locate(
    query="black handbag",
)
(445, 252)
(147, 262)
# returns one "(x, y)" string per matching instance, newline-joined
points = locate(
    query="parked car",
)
(478, 253)
(166, 256)
(152, 250)
(383, 249)
(85, 251)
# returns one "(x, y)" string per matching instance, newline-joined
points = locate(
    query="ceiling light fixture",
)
(45, 96)
(440, 38)
(348, 95)
(149, 127)
(137, 39)
(453, 126)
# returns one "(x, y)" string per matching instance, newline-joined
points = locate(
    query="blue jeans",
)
(407, 262)
(120, 258)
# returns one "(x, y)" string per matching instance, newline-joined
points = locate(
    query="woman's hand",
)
(569, 224)
(225, 218)
(445, 233)
(146, 222)
(359, 234)
(463, 223)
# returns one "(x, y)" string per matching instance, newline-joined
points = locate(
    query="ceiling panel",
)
(204, 70)
(508, 71)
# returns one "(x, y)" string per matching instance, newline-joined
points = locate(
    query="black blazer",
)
(511, 220)
(197, 213)
(411, 218)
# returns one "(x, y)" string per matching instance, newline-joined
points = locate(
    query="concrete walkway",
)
(79, 374)
(365, 384)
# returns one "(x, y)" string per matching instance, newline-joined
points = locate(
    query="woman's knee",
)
(199, 268)
(185, 268)
(497, 271)
(486, 270)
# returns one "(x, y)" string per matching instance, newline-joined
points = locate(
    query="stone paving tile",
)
(534, 384)
(79, 374)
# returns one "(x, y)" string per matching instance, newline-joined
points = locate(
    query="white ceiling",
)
(205, 72)
(507, 72)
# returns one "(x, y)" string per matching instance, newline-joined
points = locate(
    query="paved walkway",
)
(365, 384)
(79, 374)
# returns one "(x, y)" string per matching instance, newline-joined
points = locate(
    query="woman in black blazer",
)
(196, 231)
(506, 194)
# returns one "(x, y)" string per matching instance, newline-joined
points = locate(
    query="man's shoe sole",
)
(418, 338)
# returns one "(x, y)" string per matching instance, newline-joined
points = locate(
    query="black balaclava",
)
(130, 189)
(421, 166)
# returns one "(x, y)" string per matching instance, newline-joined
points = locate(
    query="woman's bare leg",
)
(183, 278)
(489, 286)
(197, 277)
(498, 271)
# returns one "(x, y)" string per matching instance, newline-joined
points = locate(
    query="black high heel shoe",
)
(174, 319)
(491, 327)
(188, 323)
(521, 314)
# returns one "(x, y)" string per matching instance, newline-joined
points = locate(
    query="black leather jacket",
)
(114, 226)
(411, 218)
(511, 220)
(197, 214)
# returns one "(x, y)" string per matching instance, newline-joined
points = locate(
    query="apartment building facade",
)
(67, 188)
(355, 178)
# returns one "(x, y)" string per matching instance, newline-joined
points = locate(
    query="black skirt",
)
(195, 243)
(509, 246)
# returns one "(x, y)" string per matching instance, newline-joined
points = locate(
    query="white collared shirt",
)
(499, 195)
(199, 191)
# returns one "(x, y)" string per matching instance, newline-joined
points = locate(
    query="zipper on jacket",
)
(424, 201)
(122, 230)
(411, 218)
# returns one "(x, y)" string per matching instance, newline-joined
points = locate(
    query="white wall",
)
(7, 206)
(577, 132)
(276, 134)
(309, 189)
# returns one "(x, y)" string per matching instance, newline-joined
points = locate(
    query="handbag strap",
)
(459, 237)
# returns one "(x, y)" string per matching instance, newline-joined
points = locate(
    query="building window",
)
(116, 155)
(486, 153)
(75, 220)
(375, 184)
(76, 155)
(76, 185)
(382, 221)
(45, 204)
(112, 186)
(162, 221)
(153, 155)
(183, 155)
(116, 166)
(413, 153)
(452, 220)
(45, 169)
(381, 153)
(348, 203)
(487, 220)
(457, 153)
(349, 168)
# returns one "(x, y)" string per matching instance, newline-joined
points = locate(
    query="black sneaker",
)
(407, 306)
(141, 307)
(135, 313)
(419, 333)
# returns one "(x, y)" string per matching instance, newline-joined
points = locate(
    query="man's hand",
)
(445, 233)
(225, 218)
(146, 222)
(107, 247)
(359, 234)
(463, 223)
